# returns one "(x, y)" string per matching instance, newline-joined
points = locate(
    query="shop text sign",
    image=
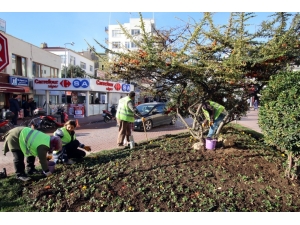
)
(108, 86)
(76, 84)
(18, 81)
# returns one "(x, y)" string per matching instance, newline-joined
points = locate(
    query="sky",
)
(60, 22)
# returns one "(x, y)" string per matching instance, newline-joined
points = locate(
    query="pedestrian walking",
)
(15, 108)
(25, 107)
(125, 116)
(255, 104)
(27, 142)
(32, 106)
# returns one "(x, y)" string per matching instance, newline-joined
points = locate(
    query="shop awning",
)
(5, 87)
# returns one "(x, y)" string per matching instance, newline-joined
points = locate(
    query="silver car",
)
(155, 115)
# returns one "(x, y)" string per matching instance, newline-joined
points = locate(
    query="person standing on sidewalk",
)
(125, 117)
(70, 143)
(214, 114)
(29, 143)
(15, 108)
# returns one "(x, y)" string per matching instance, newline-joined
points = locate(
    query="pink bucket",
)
(211, 144)
(51, 166)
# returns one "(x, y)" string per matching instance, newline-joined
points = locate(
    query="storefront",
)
(108, 93)
(88, 96)
(7, 90)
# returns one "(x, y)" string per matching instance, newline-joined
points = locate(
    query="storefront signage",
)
(77, 84)
(109, 86)
(81, 83)
(18, 81)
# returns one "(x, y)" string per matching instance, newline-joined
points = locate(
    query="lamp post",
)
(72, 43)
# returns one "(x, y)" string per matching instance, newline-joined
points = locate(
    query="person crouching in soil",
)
(29, 143)
(70, 143)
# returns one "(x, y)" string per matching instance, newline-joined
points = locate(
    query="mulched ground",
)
(168, 175)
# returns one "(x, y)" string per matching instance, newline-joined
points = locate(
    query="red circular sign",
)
(4, 61)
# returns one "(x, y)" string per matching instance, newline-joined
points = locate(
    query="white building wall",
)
(32, 53)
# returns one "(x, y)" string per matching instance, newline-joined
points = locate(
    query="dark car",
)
(155, 115)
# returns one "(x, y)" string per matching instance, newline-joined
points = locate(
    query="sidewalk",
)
(250, 121)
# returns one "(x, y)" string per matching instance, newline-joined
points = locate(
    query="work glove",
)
(211, 123)
(47, 174)
(143, 119)
(87, 148)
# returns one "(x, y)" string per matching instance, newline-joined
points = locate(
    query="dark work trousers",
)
(19, 162)
(14, 120)
(124, 131)
(72, 150)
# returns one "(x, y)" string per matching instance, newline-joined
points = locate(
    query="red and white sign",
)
(62, 84)
(4, 61)
(78, 111)
(109, 86)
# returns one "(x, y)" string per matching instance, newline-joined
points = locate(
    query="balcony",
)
(106, 30)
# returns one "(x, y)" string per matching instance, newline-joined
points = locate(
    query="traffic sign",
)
(4, 61)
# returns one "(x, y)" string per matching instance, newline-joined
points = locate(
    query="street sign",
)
(4, 61)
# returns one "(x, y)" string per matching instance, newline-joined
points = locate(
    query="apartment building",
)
(118, 41)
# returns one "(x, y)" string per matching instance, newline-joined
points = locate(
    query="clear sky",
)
(59, 22)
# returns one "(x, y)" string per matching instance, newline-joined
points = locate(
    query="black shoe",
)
(33, 171)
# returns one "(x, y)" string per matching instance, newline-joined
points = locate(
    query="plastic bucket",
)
(210, 144)
(51, 166)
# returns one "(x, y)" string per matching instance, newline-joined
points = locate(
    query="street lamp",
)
(72, 43)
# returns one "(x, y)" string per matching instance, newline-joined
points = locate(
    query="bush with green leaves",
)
(279, 117)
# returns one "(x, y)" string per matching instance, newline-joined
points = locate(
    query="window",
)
(135, 32)
(102, 67)
(127, 44)
(19, 65)
(91, 68)
(133, 45)
(116, 45)
(82, 65)
(39, 70)
(72, 60)
(116, 33)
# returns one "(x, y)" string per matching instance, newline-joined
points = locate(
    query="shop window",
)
(18, 65)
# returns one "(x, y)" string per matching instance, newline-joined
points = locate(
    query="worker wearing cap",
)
(29, 143)
(125, 117)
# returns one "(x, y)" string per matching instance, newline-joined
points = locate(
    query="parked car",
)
(155, 114)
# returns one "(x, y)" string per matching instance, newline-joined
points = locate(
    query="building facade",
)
(26, 62)
(117, 41)
(70, 57)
